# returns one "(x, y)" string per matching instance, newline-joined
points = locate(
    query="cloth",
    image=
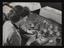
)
(8, 31)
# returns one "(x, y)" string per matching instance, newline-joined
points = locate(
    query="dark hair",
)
(22, 11)
(26, 11)
(18, 12)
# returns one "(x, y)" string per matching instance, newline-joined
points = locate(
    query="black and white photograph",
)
(32, 24)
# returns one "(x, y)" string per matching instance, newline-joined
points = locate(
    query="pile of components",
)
(42, 30)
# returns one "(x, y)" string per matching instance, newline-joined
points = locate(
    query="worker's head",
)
(18, 13)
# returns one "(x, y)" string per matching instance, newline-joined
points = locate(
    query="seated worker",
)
(11, 36)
